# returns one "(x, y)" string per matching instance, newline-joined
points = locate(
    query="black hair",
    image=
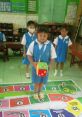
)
(43, 29)
(65, 27)
(31, 23)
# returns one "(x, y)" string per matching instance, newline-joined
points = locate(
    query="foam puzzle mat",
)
(61, 99)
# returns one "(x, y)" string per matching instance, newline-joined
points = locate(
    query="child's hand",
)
(35, 64)
(24, 54)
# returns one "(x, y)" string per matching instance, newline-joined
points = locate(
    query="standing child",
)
(3, 47)
(2, 36)
(40, 50)
(26, 40)
(62, 42)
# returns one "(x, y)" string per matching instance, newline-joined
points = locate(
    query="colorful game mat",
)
(61, 99)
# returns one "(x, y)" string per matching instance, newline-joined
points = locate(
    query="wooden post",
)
(79, 13)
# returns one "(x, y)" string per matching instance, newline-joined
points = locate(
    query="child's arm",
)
(4, 38)
(54, 45)
(23, 42)
(55, 42)
(30, 54)
(32, 62)
(24, 51)
(53, 56)
(70, 45)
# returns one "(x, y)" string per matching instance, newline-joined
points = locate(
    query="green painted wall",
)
(53, 10)
(77, 1)
(46, 10)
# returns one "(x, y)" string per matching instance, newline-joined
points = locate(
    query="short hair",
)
(31, 23)
(43, 29)
(65, 27)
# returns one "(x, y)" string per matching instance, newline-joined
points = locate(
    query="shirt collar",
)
(66, 37)
(30, 34)
(44, 43)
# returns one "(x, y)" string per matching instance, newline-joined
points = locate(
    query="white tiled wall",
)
(19, 20)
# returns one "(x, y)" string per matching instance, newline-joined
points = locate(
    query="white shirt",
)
(23, 42)
(30, 49)
(56, 40)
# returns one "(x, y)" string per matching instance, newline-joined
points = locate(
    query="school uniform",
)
(62, 48)
(2, 37)
(3, 46)
(26, 40)
(41, 52)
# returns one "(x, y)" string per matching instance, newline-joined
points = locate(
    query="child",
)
(3, 47)
(2, 36)
(26, 40)
(40, 50)
(62, 42)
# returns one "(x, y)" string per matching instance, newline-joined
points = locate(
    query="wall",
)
(77, 1)
(52, 10)
(49, 11)
(19, 20)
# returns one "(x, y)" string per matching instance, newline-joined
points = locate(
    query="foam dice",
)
(42, 69)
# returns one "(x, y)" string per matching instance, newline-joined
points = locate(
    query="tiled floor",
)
(13, 71)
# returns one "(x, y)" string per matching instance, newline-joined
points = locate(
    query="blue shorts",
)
(37, 79)
(60, 59)
(25, 61)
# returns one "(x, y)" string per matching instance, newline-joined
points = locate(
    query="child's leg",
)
(27, 71)
(61, 68)
(56, 69)
(40, 87)
(36, 88)
(41, 95)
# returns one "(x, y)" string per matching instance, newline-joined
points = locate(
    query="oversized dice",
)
(42, 69)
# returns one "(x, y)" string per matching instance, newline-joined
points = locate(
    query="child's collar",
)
(30, 34)
(44, 42)
(66, 37)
